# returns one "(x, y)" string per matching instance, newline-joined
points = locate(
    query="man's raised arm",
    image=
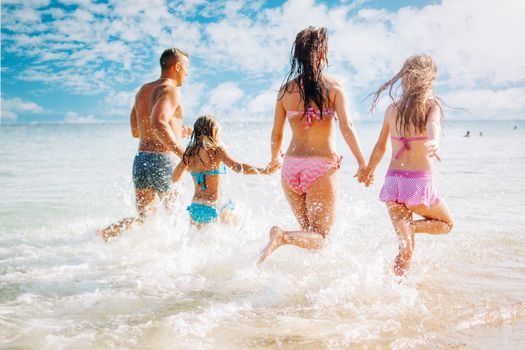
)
(134, 123)
(161, 114)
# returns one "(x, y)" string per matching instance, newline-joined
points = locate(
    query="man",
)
(156, 119)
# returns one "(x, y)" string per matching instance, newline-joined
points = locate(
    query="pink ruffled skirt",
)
(412, 187)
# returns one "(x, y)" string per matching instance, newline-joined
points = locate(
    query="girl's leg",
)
(401, 218)
(228, 217)
(436, 219)
(317, 209)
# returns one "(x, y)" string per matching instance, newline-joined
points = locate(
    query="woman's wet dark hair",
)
(308, 51)
(203, 136)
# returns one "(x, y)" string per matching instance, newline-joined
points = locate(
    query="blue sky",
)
(81, 61)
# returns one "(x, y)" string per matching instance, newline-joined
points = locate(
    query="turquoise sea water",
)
(164, 286)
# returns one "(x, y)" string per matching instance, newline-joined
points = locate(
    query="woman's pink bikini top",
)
(406, 145)
(312, 114)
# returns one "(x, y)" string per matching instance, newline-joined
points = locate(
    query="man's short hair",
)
(171, 56)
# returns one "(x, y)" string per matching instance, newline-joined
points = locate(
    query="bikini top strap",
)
(406, 145)
(200, 178)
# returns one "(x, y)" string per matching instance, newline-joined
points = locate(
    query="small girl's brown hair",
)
(203, 136)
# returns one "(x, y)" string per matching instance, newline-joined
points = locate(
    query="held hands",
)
(432, 149)
(365, 175)
(273, 166)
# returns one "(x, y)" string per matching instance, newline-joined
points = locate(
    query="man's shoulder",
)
(167, 87)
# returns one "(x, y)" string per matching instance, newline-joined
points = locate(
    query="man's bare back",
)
(146, 98)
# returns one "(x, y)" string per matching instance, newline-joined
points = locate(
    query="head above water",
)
(205, 135)
(174, 64)
(309, 56)
(416, 78)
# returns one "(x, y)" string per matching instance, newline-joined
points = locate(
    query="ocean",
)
(166, 286)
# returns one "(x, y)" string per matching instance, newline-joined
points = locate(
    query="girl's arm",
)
(379, 149)
(347, 128)
(247, 169)
(277, 132)
(178, 171)
(433, 130)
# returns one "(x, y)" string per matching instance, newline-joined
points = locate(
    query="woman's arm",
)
(277, 132)
(244, 168)
(379, 149)
(347, 128)
(178, 171)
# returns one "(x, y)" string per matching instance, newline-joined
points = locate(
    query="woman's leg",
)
(401, 218)
(297, 202)
(436, 219)
(315, 213)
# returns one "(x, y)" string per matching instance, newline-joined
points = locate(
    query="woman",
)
(312, 102)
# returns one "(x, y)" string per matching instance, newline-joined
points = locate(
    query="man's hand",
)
(186, 131)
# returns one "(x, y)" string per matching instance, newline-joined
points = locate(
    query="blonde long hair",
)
(417, 78)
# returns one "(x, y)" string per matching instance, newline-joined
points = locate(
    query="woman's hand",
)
(275, 163)
(365, 175)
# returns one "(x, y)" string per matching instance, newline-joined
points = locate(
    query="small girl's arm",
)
(379, 149)
(178, 171)
(247, 169)
(433, 130)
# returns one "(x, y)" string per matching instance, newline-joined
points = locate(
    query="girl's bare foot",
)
(276, 240)
(406, 249)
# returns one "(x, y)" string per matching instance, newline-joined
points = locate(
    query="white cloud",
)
(264, 102)
(487, 103)
(224, 96)
(75, 118)
(97, 48)
(12, 106)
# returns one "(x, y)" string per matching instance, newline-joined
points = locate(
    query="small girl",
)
(205, 158)
(413, 124)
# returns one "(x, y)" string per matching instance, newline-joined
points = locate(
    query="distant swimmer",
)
(156, 119)
(515, 127)
(412, 124)
(467, 134)
(207, 160)
(481, 133)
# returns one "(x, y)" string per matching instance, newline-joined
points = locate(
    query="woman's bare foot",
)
(276, 240)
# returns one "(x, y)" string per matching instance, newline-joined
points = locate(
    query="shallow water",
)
(165, 286)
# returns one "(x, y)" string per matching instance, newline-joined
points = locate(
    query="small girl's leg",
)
(228, 217)
(401, 218)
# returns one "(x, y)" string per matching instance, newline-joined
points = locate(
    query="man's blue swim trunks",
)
(153, 170)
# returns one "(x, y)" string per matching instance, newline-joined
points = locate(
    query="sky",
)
(82, 61)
